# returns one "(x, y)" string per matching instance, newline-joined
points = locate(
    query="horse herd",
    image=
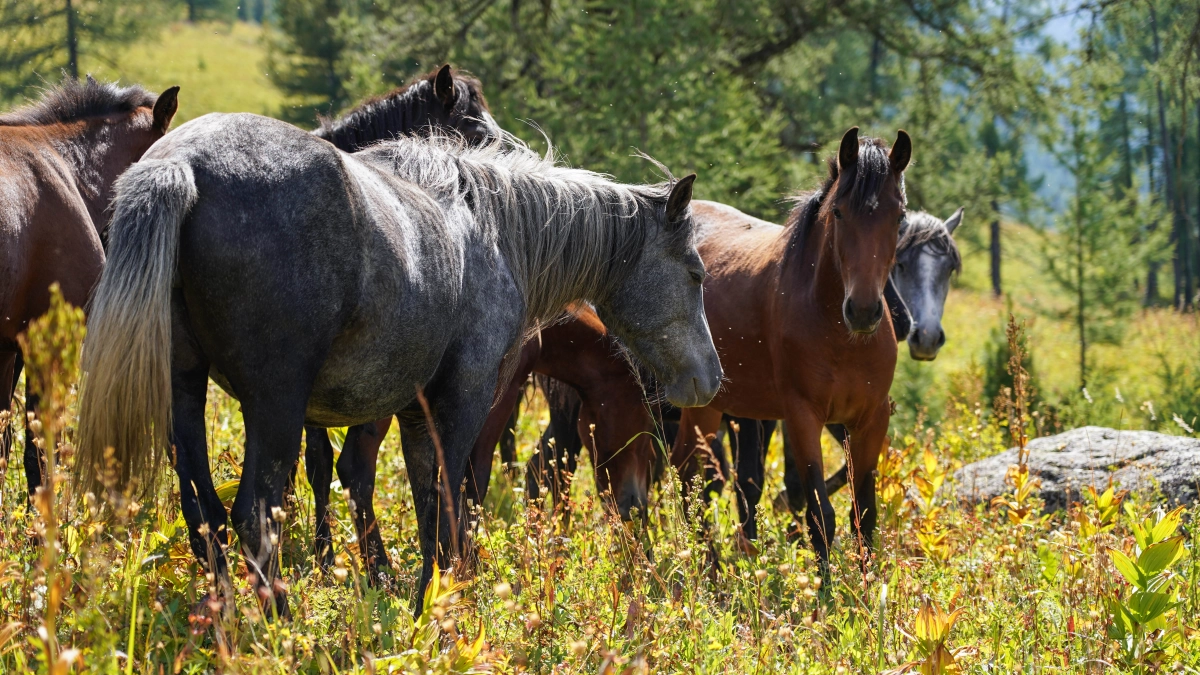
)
(412, 260)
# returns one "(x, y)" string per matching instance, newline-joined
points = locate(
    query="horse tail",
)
(125, 401)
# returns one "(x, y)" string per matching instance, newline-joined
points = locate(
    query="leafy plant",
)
(1139, 621)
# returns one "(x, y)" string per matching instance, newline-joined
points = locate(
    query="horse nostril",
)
(877, 315)
(941, 338)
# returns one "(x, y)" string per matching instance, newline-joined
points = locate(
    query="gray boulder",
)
(1142, 461)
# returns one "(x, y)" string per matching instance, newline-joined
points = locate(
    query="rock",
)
(1151, 463)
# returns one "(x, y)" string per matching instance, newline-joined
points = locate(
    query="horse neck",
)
(96, 155)
(401, 114)
(814, 268)
(569, 253)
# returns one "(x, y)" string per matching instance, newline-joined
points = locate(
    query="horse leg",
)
(9, 374)
(804, 430)
(499, 424)
(35, 455)
(205, 515)
(866, 443)
(692, 450)
(558, 448)
(838, 480)
(749, 450)
(318, 464)
(508, 439)
(356, 469)
(458, 398)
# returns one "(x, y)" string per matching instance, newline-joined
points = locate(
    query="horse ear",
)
(443, 86)
(954, 221)
(165, 108)
(681, 197)
(901, 152)
(848, 153)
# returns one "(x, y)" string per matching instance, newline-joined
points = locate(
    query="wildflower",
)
(278, 514)
(760, 575)
(784, 569)
(579, 648)
(503, 590)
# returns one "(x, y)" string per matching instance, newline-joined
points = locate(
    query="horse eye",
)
(837, 213)
(697, 276)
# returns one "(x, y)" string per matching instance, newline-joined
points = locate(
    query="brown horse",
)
(58, 160)
(614, 422)
(801, 327)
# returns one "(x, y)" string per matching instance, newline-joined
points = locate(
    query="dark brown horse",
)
(801, 326)
(58, 160)
(613, 422)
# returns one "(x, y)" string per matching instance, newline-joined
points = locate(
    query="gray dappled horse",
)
(441, 101)
(334, 289)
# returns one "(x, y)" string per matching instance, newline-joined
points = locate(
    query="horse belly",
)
(375, 371)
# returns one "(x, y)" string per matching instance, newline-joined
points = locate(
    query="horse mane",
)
(515, 194)
(396, 113)
(870, 175)
(923, 229)
(73, 100)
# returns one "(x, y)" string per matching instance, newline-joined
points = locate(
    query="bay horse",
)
(926, 259)
(334, 289)
(59, 158)
(798, 317)
(440, 101)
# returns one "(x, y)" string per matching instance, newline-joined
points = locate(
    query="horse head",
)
(657, 310)
(460, 105)
(864, 208)
(926, 258)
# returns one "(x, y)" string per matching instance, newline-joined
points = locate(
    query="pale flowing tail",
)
(125, 401)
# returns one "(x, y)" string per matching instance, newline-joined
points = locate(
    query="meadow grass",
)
(219, 67)
(976, 588)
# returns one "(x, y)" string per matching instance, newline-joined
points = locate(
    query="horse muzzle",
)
(924, 343)
(862, 319)
(696, 386)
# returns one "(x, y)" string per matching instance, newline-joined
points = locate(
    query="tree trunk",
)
(72, 43)
(1169, 186)
(995, 250)
(1081, 298)
(191, 11)
(1151, 298)
(873, 70)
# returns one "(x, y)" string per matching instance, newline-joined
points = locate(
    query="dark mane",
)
(923, 229)
(396, 113)
(870, 175)
(72, 100)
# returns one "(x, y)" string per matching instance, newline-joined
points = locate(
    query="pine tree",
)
(43, 39)
(1098, 248)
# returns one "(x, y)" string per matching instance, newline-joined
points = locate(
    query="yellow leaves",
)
(931, 630)
(1021, 503)
(933, 624)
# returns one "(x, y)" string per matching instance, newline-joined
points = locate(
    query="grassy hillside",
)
(219, 68)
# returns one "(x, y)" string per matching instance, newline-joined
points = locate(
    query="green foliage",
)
(1103, 246)
(997, 374)
(40, 39)
(1139, 622)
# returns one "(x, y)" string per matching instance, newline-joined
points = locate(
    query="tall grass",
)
(105, 584)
